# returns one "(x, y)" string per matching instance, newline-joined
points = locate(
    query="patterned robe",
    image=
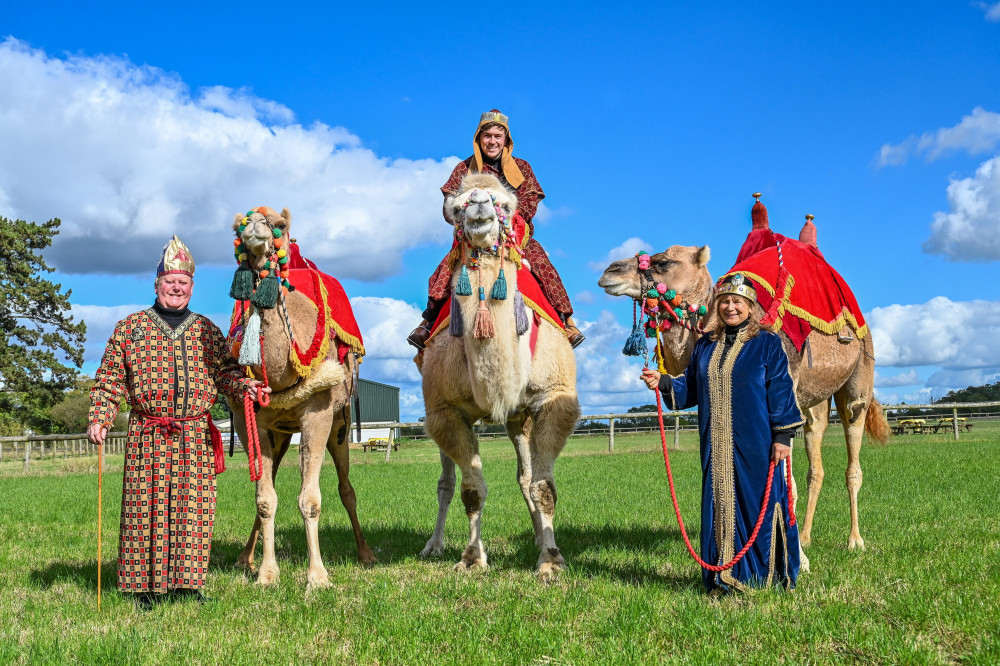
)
(529, 194)
(743, 400)
(168, 495)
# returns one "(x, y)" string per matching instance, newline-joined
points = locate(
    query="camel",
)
(469, 375)
(829, 367)
(316, 405)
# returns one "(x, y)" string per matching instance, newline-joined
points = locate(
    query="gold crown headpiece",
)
(175, 258)
(736, 283)
(494, 116)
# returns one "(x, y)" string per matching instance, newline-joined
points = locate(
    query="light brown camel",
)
(839, 369)
(467, 377)
(317, 406)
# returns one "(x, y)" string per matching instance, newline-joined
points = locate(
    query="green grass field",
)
(926, 589)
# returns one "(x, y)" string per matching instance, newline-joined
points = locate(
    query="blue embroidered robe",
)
(742, 402)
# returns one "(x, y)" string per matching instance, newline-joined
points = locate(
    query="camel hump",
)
(808, 233)
(759, 213)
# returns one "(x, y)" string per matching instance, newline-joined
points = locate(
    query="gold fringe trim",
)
(540, 311)
(332, 329)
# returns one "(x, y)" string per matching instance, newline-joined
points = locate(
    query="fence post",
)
(27, 454)
(611, 435)
(677, 432)
(954, 421)
(388, 449)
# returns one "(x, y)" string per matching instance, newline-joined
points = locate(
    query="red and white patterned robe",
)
(168, 495)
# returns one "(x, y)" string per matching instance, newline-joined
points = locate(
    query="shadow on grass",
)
(80, 574)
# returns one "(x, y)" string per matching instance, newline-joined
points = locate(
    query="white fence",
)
(48, 447)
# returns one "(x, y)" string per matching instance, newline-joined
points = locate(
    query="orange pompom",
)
(236, 242)
(263, 274)
(278, 242)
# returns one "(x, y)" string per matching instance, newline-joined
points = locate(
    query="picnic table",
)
(946, 423)
(916, 426)
(379, 444)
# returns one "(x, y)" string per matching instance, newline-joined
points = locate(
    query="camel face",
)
(678, 267)
(258, 232)
(480, 208)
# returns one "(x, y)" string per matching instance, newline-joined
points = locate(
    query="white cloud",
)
(126, 155)
(992, 10)
(585, 296)
(909, 378)
(976, 134)
(971, 231)
(627, 249)
(605, 378)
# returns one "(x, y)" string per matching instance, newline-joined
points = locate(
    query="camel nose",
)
(479, 197)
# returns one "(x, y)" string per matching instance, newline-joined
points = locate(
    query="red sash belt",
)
(172, 425)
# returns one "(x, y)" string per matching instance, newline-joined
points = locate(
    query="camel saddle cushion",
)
(797, 288)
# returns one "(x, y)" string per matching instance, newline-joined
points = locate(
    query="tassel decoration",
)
(242, 287)
(456, 325)
(464, 286)
(483, 328)
(250, 352)
(520, 314)
(499, 291)
(265, 296)
(636, 343)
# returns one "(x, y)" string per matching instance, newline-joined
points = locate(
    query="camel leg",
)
(445, 493)
(817, 419)
(852, 415)
(315, 434)
(455, 436)
(267, 505)
(554, 420)
(337, 446)
(279, 449)
(519, 429)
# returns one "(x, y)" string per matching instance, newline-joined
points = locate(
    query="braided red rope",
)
(673, 495)
(253, 436)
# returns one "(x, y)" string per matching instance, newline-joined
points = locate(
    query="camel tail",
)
(876, 424)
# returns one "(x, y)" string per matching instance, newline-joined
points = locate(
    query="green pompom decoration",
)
(265, 296)
(670, 294)
(276, 233)
(249, 213)
(499, 291)
(240, 229)
(464, 286)
(242, 287)
(267, 264)
(679, 313)
(283, 260)
(652, 293)
(702, 310)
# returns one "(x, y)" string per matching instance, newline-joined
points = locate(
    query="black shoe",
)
(418, 337)
(573, 333)
(145, 602)
(188, 593)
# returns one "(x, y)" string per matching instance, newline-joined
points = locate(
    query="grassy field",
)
(926, 589)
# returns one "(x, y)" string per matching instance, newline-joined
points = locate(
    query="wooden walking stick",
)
(100, 483)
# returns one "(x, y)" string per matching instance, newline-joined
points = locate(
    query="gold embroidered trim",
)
(172, 333)
(720, 388)
(777, 523)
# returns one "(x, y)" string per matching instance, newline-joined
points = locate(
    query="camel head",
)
(684, 269)
(481, 209)
(263, 233)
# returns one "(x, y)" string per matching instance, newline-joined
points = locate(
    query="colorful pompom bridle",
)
(278, 259)
(661, 308)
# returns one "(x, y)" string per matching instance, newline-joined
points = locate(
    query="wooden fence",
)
(47, 447)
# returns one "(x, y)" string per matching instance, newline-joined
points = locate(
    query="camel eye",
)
(663, 265)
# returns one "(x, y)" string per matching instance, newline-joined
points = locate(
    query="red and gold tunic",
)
(529, 194)
(168, 495)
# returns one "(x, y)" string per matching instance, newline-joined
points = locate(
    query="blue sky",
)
(647, 125)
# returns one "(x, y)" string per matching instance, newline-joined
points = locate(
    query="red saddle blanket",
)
(800, 292)
(335, 318)
(531, 292)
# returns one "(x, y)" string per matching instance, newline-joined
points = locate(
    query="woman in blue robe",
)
(747, 413)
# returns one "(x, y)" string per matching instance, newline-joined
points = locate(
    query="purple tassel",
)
(456, 326)
(520, 315)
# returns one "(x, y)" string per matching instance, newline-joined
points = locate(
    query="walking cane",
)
(100, 483)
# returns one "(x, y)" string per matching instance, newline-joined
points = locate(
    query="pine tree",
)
(41, 347)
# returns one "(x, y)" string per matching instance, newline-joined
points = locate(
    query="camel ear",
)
(237, 221)
(451, 210)
(285, 214)
(703, 255)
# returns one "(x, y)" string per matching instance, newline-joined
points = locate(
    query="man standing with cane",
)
(169, 363)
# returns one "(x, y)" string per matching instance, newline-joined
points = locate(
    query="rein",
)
(250, 410)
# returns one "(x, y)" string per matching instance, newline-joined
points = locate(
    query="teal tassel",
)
(265, 296)
(464, 286)
(499, 291)
(242, 287)
(636, 343)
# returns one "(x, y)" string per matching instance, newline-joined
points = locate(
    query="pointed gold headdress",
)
(175, 258)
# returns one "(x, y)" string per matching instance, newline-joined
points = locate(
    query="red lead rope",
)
(677, 509)
(250, 414)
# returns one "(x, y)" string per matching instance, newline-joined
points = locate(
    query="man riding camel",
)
(492, 147)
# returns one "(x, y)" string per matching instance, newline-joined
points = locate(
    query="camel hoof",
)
(471, 566)
(317, 580)
(549, 572)
(268, 575)
(433, 549)
(245, 561)
(805, 540)
(367, 557)
(856, 543)
(803, 562)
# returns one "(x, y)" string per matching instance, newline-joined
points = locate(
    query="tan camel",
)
(843, 372)
(467, 378)
(317, 406)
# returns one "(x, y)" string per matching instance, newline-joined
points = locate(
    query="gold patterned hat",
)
(175, 258)
(736, 283)
(511, 172)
